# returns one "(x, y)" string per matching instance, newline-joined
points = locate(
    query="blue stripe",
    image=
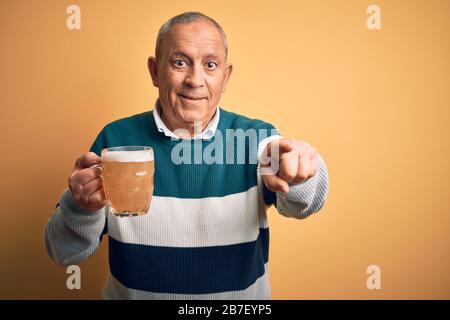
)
(269, 197)
(189, 270)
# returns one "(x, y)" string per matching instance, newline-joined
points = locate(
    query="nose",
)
(194, 77)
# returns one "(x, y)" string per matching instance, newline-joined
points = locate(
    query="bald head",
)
(185, 18)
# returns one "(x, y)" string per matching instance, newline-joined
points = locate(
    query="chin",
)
(189, 114)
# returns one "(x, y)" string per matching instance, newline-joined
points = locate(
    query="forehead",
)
(196, 38)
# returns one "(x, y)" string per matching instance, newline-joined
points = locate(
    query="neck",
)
(189, 129)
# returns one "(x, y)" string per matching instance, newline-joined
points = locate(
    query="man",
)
(206, 235)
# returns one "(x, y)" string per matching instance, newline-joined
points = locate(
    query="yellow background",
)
(374, 103)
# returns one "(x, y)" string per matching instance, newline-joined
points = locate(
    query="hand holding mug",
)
(85, 182)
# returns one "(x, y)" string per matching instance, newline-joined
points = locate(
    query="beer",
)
(127, 174)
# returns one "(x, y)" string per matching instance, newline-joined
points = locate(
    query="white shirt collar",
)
(208, 133)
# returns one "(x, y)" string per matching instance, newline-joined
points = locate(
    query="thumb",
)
(87, 160)
(275, 183)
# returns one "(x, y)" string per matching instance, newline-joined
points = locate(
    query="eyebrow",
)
(182, 54)
(213, 56)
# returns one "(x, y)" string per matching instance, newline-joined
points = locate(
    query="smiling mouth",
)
(190, 98)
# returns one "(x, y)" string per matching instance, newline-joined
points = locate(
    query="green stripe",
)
(187, 180)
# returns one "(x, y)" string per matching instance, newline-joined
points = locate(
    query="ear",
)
(228, 71)
(153, 69)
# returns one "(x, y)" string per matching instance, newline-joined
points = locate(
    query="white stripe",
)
(178, 222)
(260, 290)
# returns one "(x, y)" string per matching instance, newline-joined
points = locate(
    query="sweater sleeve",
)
(305, 198)
(72, 233)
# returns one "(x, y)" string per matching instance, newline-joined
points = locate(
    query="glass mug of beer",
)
(127, 175)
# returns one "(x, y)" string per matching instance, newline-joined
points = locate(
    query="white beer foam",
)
(129, 156)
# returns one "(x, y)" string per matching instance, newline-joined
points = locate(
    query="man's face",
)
(192, 73)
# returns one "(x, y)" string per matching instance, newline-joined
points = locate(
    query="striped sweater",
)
(206, 236)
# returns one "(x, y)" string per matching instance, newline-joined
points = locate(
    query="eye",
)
(211, 65)
(179, 63)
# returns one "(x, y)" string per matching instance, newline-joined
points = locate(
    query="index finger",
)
(283, 145)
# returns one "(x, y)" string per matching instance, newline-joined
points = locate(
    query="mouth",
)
(192, 99)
